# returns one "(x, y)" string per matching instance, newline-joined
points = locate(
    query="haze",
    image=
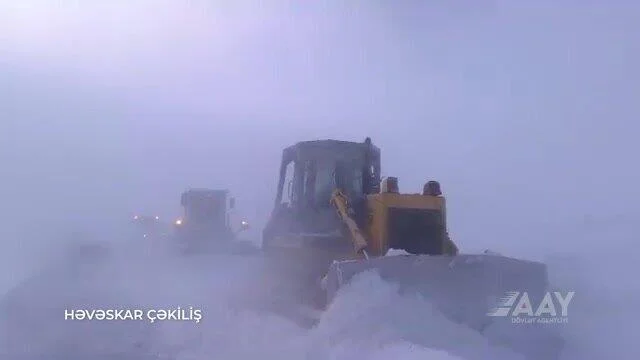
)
(524, 111)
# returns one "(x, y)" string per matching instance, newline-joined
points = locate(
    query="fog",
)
(524, 111)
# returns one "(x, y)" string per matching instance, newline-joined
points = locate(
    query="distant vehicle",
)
(205, 224)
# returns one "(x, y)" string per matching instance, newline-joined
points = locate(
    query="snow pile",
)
(370, 314)
(244, 334)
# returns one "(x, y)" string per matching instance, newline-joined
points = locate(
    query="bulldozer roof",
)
(313, 146)
(203, 191)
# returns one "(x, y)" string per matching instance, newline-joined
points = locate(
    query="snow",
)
(396, 252)
(369, 320)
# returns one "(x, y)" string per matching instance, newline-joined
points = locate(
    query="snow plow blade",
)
(465, 288)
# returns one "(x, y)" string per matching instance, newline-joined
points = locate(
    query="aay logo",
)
(518, 306)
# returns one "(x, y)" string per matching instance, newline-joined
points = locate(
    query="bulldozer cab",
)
(206, 207)
(310, 171)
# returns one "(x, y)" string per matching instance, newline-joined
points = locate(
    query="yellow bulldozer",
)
(335, 217)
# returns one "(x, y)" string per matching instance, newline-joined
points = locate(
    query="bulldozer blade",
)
(465, 288)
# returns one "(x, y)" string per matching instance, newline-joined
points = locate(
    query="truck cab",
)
(206, 215)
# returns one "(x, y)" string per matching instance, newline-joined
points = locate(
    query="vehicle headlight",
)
(179, 222)
(244, 225)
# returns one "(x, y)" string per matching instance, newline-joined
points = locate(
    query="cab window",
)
(287, 192)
